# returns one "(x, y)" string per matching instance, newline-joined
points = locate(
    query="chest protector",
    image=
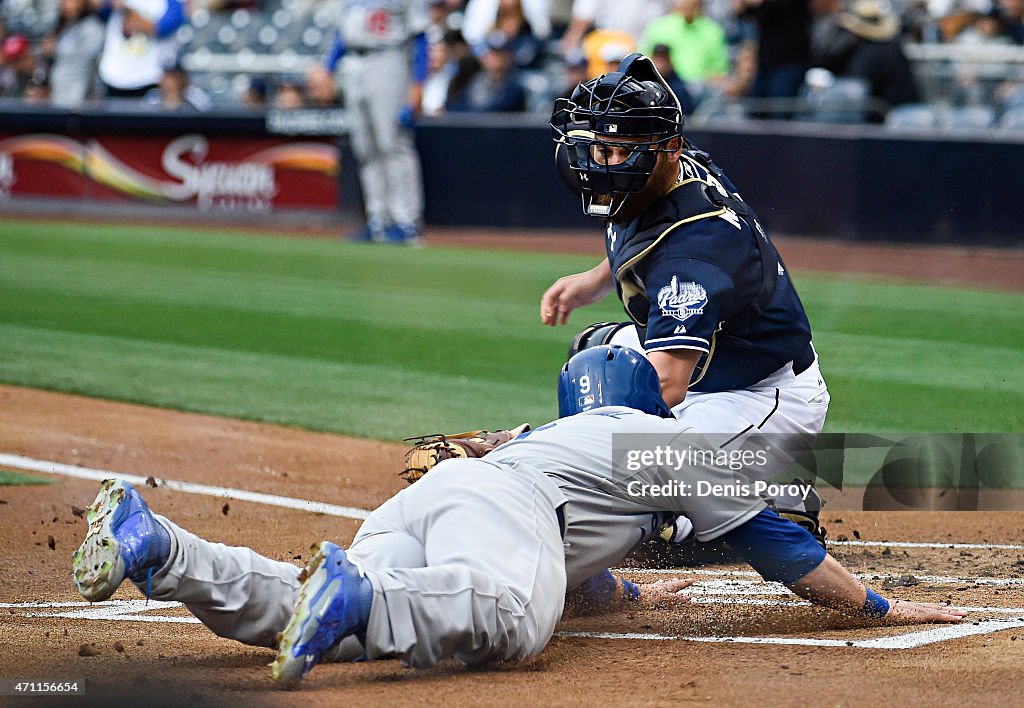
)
(700, 194)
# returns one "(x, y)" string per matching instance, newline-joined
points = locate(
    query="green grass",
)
(382, 342)
(10, 478)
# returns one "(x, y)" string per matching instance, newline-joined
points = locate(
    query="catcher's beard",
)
(661, 181)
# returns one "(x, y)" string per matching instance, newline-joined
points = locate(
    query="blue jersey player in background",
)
(710, 301)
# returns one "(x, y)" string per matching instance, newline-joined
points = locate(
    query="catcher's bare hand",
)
(907, 612)
(663, 594)
(574, 291)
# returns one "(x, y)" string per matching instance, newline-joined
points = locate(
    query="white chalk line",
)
(876, 577)
(348, 512)
(927, 544)
(910, 640)
(108, 610)
(27, 463)
(695, 600)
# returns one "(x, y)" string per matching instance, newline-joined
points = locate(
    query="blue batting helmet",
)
(609, 375)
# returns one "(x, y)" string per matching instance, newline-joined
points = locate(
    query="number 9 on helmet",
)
(609, 375)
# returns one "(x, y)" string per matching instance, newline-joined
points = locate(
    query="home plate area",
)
(738, 607)
(724, 606)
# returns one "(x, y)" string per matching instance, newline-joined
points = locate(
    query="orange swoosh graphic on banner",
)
(308, 157)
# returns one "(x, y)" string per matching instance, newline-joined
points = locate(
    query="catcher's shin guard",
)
(808, 521)
(806, 517)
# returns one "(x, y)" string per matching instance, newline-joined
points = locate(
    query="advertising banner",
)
(206, 173)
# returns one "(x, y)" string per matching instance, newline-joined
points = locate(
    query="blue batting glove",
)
(407, 117)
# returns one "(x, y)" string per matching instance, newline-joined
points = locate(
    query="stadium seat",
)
(1014, 99)
(538, 91)
(970, 118)
(844, 101)
(1013, 121)
(31, 18)
(915, 116)
(714, 110)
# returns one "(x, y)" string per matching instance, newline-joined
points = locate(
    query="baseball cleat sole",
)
(288, 668)
(97, 566)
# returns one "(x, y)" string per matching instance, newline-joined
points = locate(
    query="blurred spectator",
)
(629, 17)
(1011, 19)
(38, 90)
(439, 76)
(605, 48)
(737, 29)
(289, 94)
(497, 88)
(451, 65)
(19, 66)
(723, 91)
(954, 15)
(482, 17)
(612, 54)
(466, 62)
(175, 93)
(661, 55)
(512, 23)
(139, 39)
(696, 43)
(917, 24)
(784, 43)
(878, 55)
(831, 43)
(317, 89)
(439, 11)
(976, 80)
(742, 74)
(984, 30)
(74, 45)
(255, 95)
(575, 72)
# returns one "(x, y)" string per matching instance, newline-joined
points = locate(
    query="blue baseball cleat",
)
(373, 231)
(124, 541)
(334, 602)
(407, 234)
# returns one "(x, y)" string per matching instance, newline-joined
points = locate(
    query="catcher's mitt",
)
(429, 450)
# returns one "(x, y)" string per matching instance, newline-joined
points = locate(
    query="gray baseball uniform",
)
(375, 76)
(471, 561)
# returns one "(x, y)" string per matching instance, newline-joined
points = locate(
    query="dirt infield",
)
(739, 642)
(149, 653)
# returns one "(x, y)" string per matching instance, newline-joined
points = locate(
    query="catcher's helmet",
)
(610, 375)
(632, 109)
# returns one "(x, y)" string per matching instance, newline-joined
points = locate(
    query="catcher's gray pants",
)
(376, 88)
(468, 562)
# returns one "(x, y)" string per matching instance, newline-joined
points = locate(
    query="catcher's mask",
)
(610, 375)
(609, 132)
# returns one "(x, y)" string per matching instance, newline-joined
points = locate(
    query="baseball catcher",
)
(709, 299)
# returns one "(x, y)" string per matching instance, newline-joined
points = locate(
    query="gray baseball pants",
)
(467, 563)
(376, 87)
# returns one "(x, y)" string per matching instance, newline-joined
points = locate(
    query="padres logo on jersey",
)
(682, 300)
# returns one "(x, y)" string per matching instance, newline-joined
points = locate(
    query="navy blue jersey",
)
(699, 272)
